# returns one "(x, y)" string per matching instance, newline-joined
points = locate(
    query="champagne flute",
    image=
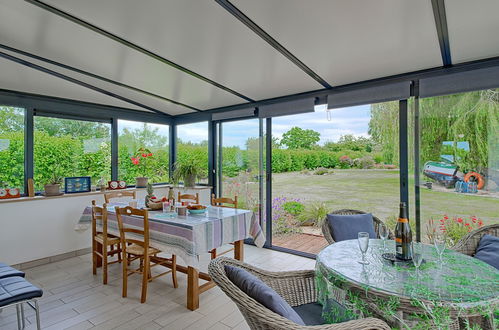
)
(417, 255)
(439, 243)
(363, 239)
(383, 234)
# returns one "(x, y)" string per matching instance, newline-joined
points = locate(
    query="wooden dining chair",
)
(135, 243)
(118, 194)
(222, 202)
(103, 243)
(188, 197)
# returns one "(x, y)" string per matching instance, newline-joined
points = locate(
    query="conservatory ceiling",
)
(183, 56)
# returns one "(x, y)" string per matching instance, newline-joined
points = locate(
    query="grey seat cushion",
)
(311, 313)
(15, 289)
(488, 250)
(345, 227)
(7, 271)
(261, 292)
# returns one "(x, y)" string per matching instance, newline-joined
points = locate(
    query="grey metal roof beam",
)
(271, 41)
(442, 30)
(130, 44)
(93, 75)
(77, 82)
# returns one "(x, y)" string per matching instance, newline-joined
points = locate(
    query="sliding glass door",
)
(240, 164)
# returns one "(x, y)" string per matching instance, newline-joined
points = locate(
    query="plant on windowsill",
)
(142, 160)
(53, 187)
(187, 170)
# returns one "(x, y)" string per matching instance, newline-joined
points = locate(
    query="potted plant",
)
(53, 187)
(142, 160)
(188, 171)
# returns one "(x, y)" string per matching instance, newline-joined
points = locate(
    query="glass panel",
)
(241, 173)
(459, 163)
(67, 147)
(12, 147)
(192, 148)
(322, 162)
(143, 151)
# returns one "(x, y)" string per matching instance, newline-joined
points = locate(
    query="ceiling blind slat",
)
(460, 82)
(369, 95)
(287, 108)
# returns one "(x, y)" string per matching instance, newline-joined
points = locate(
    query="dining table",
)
(456, 293)
(189, 236)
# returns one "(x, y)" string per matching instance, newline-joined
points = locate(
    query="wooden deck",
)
(301, 242)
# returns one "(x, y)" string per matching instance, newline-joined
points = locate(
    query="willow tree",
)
(468, 117)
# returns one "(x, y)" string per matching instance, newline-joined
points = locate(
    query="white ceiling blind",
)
(287, 108)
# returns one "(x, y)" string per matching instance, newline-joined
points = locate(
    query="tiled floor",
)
(75, 299)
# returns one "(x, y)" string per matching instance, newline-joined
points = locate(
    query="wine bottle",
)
(403, 235)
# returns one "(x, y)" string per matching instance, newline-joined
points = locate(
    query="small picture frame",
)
(77, 184)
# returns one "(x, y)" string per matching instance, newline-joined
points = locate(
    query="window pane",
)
(136, 140)
(347, 159)
(192, 146)
(459, 161)
(66, 148)
(12, 147)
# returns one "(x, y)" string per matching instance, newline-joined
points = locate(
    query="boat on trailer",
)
(444, 173)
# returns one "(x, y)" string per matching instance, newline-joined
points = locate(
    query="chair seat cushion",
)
(261, 292)
(15, 289)
(345, 227)
(7, 271)
(488, 250)
(311, 313)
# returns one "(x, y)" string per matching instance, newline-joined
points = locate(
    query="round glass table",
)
(462, 289)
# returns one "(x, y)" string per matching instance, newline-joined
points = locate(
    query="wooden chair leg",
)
(104, 264)
(213, 253)
(94, 258)
(174, 271)
(125, 275)
(119, 253)
(145, 279)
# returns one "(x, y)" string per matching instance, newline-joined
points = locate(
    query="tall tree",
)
(298, 138)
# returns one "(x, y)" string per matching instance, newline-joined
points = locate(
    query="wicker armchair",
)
(468, 244)
(296, 287)
(326, 231)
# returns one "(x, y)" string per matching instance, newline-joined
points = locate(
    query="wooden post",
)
(192, 288)
(239, 250)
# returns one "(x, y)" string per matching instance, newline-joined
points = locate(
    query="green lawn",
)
(377, 191)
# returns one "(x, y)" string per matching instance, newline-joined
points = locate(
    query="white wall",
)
(40, 228)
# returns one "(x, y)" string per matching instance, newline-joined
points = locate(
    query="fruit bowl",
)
(196, 209)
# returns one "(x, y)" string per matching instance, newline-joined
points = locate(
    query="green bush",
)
(293, 207)
(321, 171)
(314, 214)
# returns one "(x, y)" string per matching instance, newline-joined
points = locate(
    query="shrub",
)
(283, 222)
(365, 162)
(293, 207)
(314, 214)
(345, 162)
(321, 171)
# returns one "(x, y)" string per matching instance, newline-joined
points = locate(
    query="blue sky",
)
(351, 120)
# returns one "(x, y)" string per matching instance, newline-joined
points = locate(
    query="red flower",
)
(446, 217)
(467, 224)
(480, 223)
(460, 220)
(149, 154)
(135, 161)
(144, 155)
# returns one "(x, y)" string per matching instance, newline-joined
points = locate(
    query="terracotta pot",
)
(52, 189)
(190, 180)
(141, 182)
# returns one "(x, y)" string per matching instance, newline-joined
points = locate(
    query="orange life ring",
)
(478, 178)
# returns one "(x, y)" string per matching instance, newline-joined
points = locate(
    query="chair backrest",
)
(326, 230)
(469, 243)
(223, 201)
(143, 232)
(117, 194)
(188, 197)
(99, 214)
